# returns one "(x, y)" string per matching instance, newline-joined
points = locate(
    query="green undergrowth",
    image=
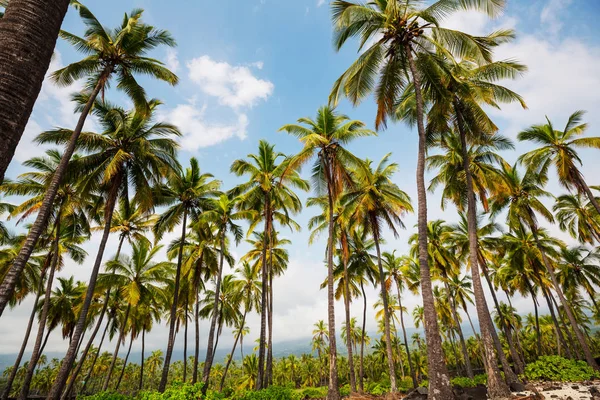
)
(557, 368)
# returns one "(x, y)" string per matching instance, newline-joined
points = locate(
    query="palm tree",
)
(320, 337)
(119, 52)
(188, 194)
(29, 30)
(520, 195)
(578, 218)
(559, 149)
(578, 268)
(222, 212)
(404, 28)
(324, 139)
(378, 201)
(395, 267)
(270, 189)
(132, 148)
(139, 279)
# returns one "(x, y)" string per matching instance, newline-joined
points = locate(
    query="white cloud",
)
(172, 61)
(477, 23)
(320, 3)
(551, 17)
(233, 86)
(199, 133)
(27, 148)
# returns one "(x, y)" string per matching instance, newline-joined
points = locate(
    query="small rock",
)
(422, 390)
(576, 387)
(554, 396)
(517, 387)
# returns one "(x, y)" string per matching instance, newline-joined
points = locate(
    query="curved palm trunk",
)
(29, 30)
(185, 336)
(333, 390)
(69, 358)
(124, 364)
(13, 372)
(559, 334)
(263, 312)
(590, 195)
(89, 374)
(386, 311)
(570, 339)
(270, 321)
(8, 285)
(439, 379)
(171, 343)
(362, 341)
(213, 323)
(349, 334)
(410, 365)
(237, 337)
(120, 339)
(398, 346)
(141, 385)
(38, 346)
(197, 321)
(461, 337)
(575, 326)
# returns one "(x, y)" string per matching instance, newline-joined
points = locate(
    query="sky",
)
(248, 67)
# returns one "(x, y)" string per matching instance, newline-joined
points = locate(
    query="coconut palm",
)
(188, 194)
(578, 268)
(396, 31)
(577, 218)
(558, 149)
(119, 53)
(324, 138)
(132, 148)
(520, 195)
(269, 189)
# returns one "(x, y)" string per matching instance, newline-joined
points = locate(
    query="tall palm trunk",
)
(38, 346)
(386, 310)
(333, 390)
(576, 351)
(559, 334)
(17, 364)
(263, 312)
(124, 364)
(75, 373)
(171, 343)
(197, 320)
(410, 365)
(270, 321)
(574, 325)
(589, 194)
(120, 339)
(237, 337)
(213, 323)
(347, 310)
(29, 30)
(69, 358)
(89, 374)
(362, 341)
(185, 336)
(497, 387)
(461, 337)
(439, 379)
(141, 385)
(8, 285)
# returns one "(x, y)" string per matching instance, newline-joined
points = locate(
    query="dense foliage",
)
(559, 369)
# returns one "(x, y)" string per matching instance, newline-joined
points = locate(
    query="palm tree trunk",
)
(589, 194)
(69, 358)
(348, 333)
(362, 341)
(120, 339)
(29, 30)
(575, 350)
(185, 336)
(439, 379)
(237, 337)
(124, 364)
(13, 372)
(270, 321)
(461, 337)
(386, 310)
(333, 390)
(559, 334)
(10, 280)
(211, 333)
(263, 312)
(38, 346)
(141, 385)
(410, 365)
(574, 325)
(89, 374)
(171, 342)
(398, 346)
(75, 373)
(497, 387)
(197, 320)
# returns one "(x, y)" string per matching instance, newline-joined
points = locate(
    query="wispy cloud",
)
(551, 17)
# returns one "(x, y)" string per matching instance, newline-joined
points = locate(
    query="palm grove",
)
(124, 180)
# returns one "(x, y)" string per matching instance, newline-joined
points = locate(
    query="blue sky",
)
(248, 67)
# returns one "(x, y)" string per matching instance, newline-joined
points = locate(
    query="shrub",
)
(270, 393)
(107, 396)
(556, 368)
(463, 381)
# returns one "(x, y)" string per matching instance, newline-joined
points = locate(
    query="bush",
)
(270, 393)
(107, 396)
(313, 393)
(465, 382)
(556, 368)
